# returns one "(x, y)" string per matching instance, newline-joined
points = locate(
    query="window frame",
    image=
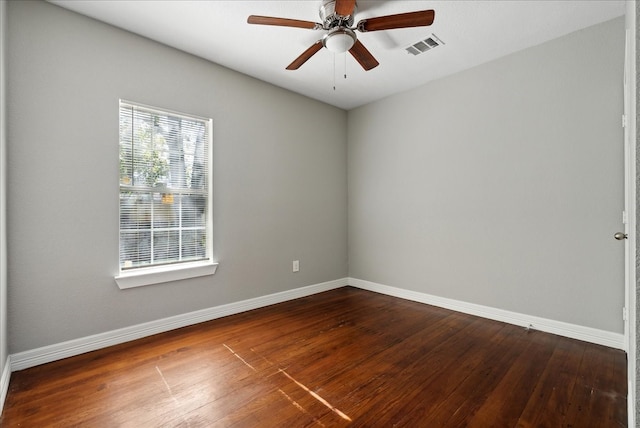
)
(149, 275)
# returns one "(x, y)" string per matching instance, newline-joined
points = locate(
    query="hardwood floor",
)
(344, 357)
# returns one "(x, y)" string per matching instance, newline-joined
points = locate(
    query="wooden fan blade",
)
(345, 7)
(282, 22)
(363, 56)
(401, 20)
(313, 49)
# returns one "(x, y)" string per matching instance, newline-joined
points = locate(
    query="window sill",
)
(158, 275)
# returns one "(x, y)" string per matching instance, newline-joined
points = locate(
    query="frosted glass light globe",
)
(339, 40)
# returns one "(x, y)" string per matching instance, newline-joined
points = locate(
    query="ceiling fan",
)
(337, 20)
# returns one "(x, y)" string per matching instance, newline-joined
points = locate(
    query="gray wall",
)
(495, 186)
(280, 184)
(3, 192)
(501, 185)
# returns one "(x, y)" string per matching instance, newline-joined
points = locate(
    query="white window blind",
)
(164, 187)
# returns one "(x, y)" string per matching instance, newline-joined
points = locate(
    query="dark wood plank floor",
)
(344, 357)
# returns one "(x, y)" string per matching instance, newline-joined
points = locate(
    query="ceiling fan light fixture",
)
(339, 40)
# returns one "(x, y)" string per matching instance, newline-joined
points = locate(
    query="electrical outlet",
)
(296, 265)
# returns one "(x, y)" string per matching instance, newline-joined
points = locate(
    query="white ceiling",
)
(474, 32)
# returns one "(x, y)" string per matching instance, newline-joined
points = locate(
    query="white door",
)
(630, 206)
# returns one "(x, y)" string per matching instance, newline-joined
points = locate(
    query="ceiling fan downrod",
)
(331, 19)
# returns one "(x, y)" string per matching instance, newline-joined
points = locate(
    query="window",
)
(165, 215)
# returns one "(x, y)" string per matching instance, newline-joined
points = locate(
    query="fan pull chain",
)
(334, 72)
(345, 66)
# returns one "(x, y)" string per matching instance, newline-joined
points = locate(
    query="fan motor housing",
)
(330, 19)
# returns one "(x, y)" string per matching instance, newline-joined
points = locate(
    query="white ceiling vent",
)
(425, 45)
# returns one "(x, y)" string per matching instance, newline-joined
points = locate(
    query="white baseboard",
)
(587, 334)
(4, 382)
(58, 351)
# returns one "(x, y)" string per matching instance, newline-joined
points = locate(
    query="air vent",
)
(427, 44)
